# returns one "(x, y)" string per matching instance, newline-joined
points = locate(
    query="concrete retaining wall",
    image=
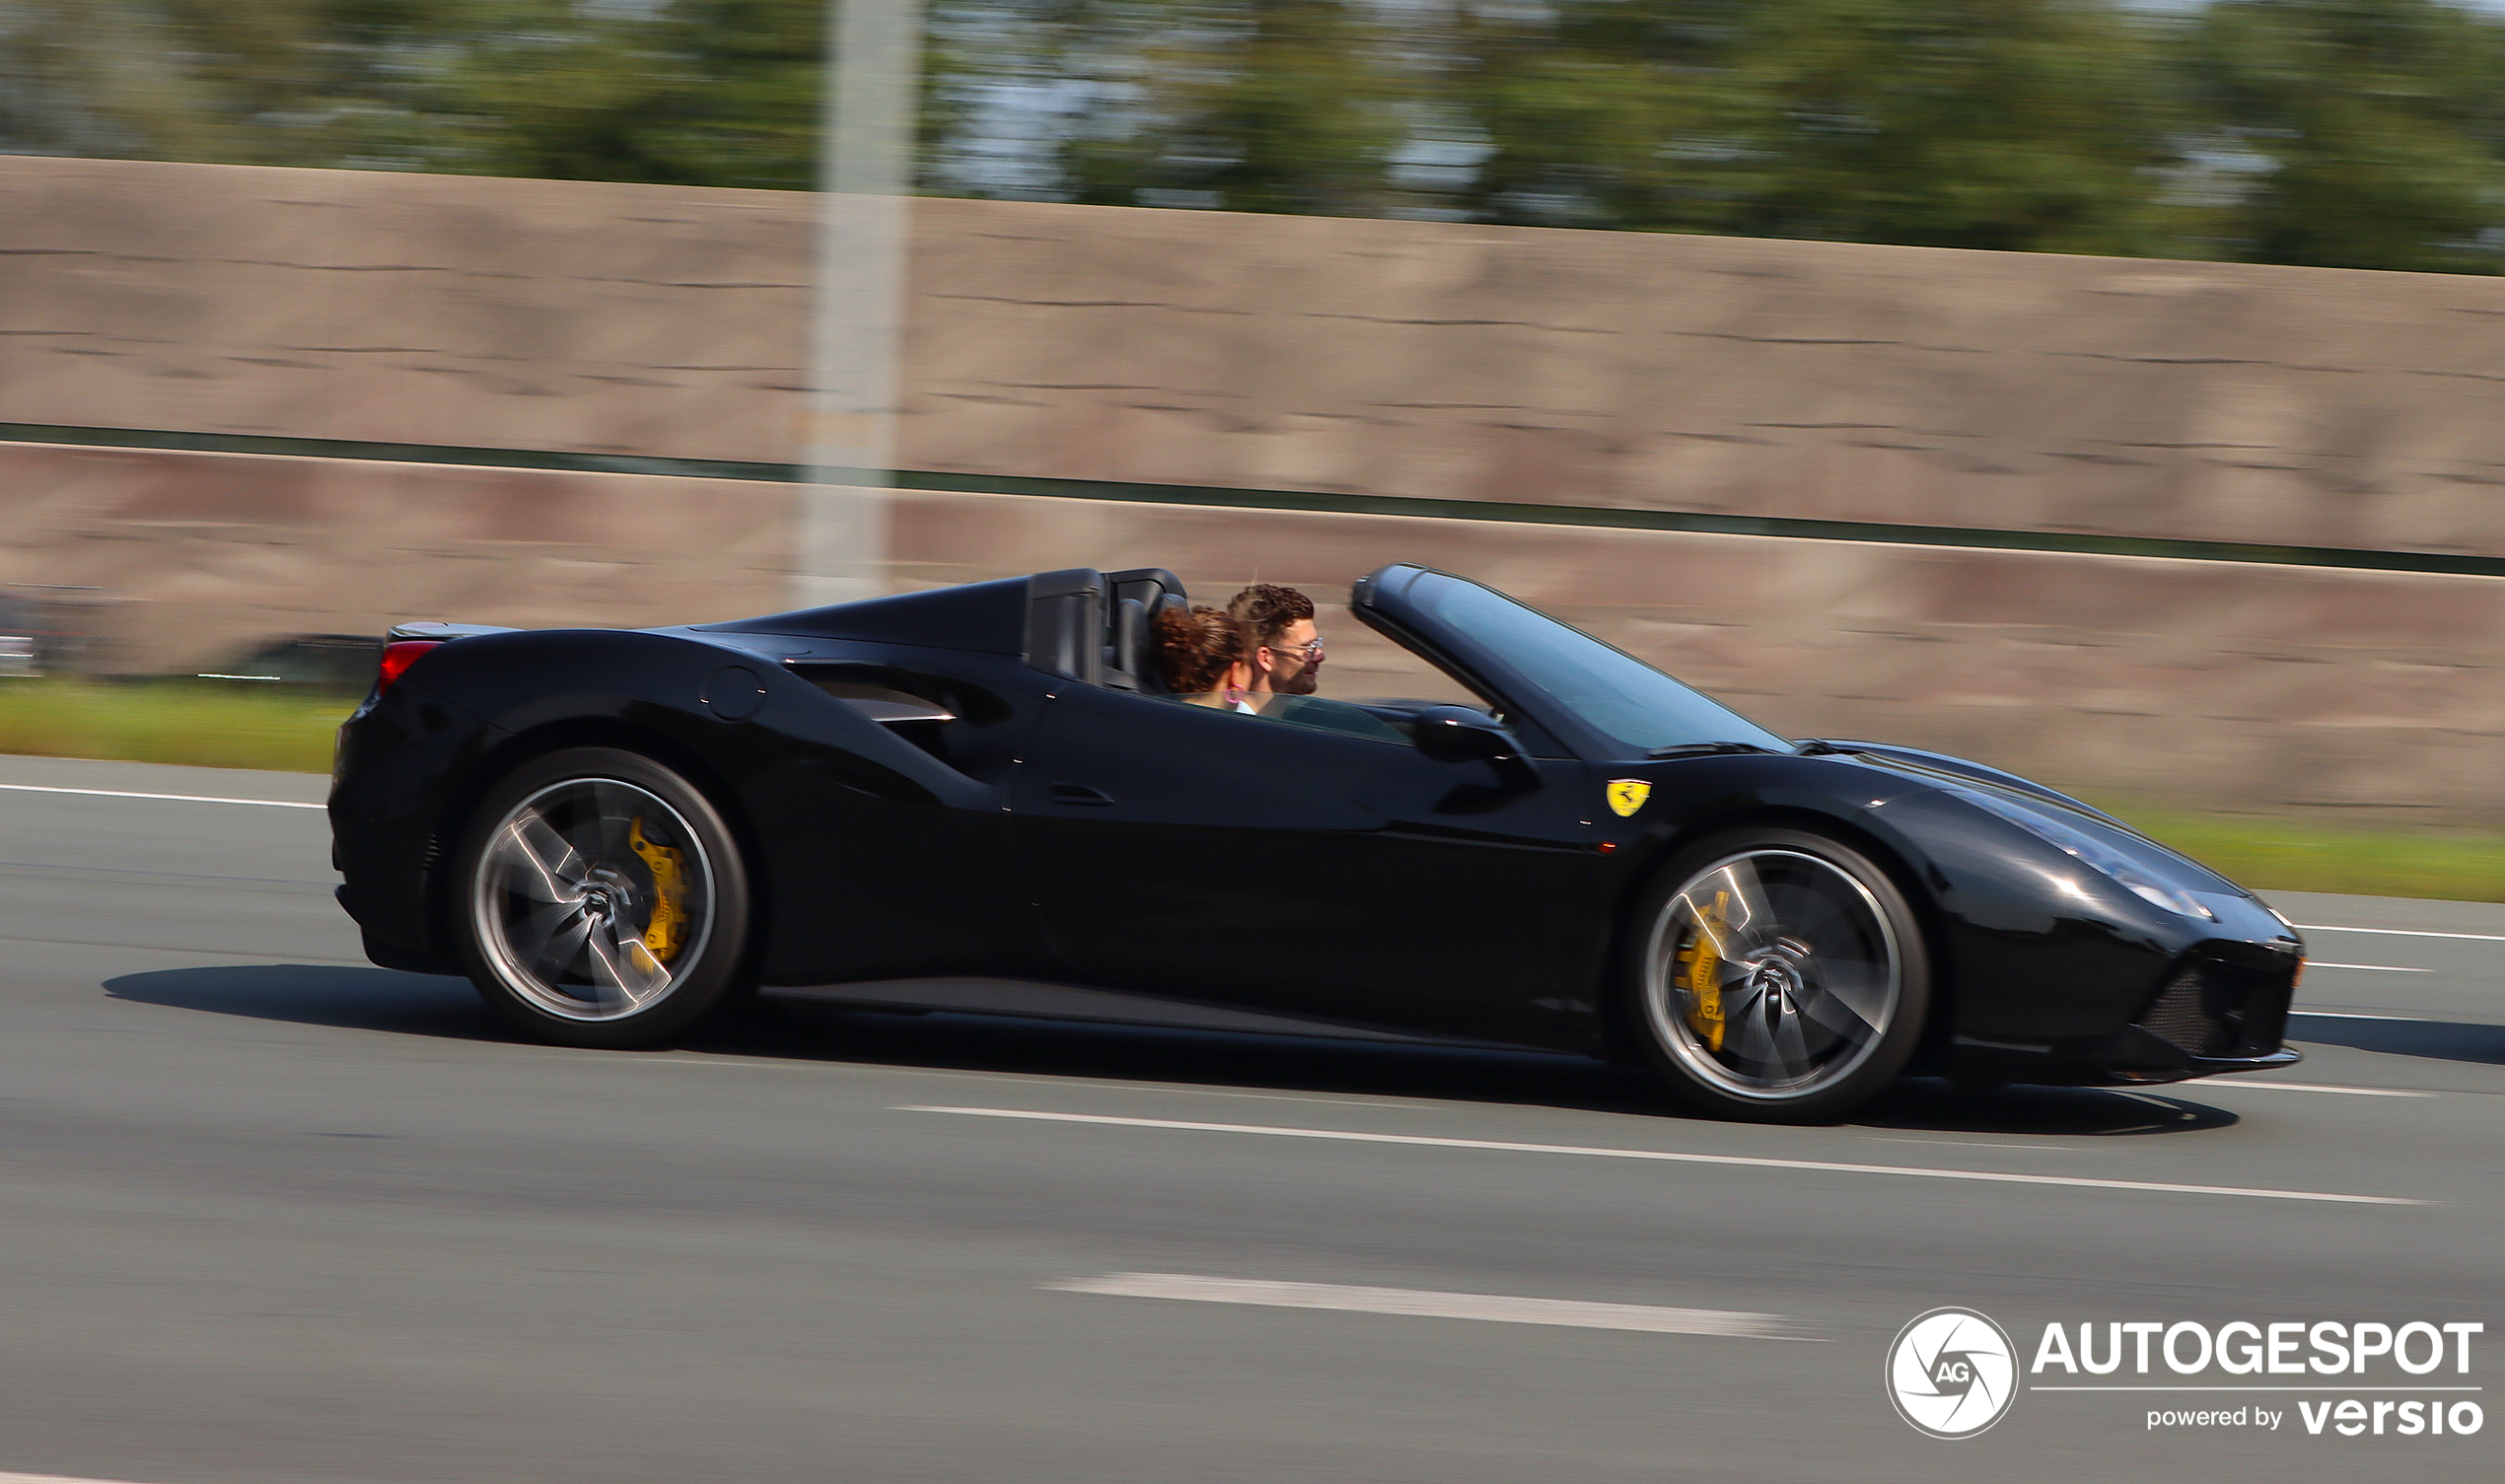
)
(1913, 384)
(378, 307)
(1837, 381)
(204, 555)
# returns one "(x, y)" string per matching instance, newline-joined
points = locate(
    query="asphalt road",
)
(269, 1213)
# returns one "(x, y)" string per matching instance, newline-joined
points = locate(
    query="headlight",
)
(2091, 851)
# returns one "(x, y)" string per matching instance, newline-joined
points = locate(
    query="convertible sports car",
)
(612, 832)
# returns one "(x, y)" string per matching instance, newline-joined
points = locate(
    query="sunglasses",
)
(1312, 650)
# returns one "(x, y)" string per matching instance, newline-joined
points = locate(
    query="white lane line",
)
(1750, 1162)
(2330, 927)
(2353, 1015)
(2372, 968)
(37, 788)
(2321, 1086)
(51, 1479)
(1426, 1304)
(2059, 1149)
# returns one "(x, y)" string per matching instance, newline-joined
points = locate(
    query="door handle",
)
(1076, 793)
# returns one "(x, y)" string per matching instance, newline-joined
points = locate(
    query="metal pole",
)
(865, 179)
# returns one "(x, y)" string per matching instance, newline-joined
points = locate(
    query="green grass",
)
(2301, 855)
(173, 721)
(231, 727)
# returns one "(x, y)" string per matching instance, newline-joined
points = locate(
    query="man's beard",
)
(1303, 683)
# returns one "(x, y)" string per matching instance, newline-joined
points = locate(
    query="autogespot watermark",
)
(1953, 1372)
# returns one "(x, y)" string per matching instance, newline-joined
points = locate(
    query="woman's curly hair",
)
(1195, 649)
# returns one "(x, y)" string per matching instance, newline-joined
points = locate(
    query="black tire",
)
(1773, 975)
(599, 900)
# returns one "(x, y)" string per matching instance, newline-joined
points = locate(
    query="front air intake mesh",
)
(2214, 1009)
(2180, 1015)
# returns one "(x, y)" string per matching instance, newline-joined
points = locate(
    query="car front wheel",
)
(601, 900)
(1777, 976)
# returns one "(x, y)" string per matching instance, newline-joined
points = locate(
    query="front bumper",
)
(2221, 1009)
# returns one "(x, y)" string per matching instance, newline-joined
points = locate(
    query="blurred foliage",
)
(2359, 133)
(689, 92)
(1278, 105)
(1978, 123)
(2381, 124)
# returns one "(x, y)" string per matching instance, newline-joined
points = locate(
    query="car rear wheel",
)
(1778, 976)
(601, 900)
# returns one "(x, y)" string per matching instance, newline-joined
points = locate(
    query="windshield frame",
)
(1390, 601)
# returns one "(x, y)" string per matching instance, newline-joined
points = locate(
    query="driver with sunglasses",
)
(1284, 654)
(1285, 648)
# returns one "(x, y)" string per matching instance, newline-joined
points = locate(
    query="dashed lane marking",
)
(2321, 1086)
(2329, 927)
(1426, 1304)
(2354, 1015)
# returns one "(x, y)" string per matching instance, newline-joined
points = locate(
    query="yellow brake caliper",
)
(666, 931)
(1700, 975)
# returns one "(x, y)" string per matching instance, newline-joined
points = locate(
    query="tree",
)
(1980, 123)
(709, 92)
(2356, 134)
(2361, 133)
(1278, 105)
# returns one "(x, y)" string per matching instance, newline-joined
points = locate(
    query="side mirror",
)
(1457, 734)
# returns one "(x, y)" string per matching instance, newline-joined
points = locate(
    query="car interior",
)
(1100, 627)
(1130, 626)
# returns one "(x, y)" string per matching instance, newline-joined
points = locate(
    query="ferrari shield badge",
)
(1627, 795)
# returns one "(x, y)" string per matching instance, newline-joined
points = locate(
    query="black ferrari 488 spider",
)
(611, 833)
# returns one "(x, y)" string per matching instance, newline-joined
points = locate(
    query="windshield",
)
(1609, 690)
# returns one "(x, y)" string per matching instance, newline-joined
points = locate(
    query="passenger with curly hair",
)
(1200, 656)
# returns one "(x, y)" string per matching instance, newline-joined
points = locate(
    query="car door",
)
(1325, 868)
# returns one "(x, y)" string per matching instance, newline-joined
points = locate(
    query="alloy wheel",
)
(592, 898)
(1771, 975)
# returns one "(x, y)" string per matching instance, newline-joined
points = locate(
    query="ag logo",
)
(1952, 1373)
(1627, 795)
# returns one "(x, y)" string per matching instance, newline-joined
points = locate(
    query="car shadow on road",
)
(351, 997)
(1935, 1106)
(392, 1003)
(1237, 1061)
(2445, 1040)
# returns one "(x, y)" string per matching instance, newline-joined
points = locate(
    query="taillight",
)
(397, 656)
